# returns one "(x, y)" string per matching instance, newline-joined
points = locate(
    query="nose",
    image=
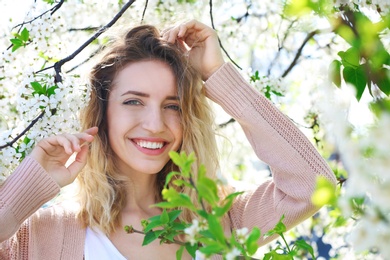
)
(154, 121)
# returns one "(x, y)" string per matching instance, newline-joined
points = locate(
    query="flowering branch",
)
(57, 66)
(8, 144)
(52, 10)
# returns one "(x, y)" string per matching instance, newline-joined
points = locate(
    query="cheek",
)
(176, 128)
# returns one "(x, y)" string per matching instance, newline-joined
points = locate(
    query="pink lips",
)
(150, 151)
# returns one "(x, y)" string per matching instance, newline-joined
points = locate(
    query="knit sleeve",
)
(23, 193)
(294, 162)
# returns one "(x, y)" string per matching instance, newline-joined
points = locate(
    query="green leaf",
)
(173, 215)
(158, 233)
(51, 91)
(208, 190)
(191, 249)
(228, 202)
(165, 205)
(251, 243)
(382, 80)
(177, 226)
(276, 256)
(277, 93)
(25, 35)
(176, 199)
(38, 89)
(335, 72)
(233, 195)
(153, 224)
(179, 253)
(149, 238)
(17, 42)
(180, 183)
(255, 76)
(301, 244)
(171, 236)
(183, 161)
(350, 58)
(278, 229)
(164, 218)
(357, 78)
(379, 106)
(169, 177)
(176, 158)
(216, 229)
(324, 193)
(212, 249)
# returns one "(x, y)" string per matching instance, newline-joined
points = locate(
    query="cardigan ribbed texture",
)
(28, 231)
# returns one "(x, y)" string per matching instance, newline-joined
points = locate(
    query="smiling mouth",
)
(150, 145)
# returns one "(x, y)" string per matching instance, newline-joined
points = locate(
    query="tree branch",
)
(52, 10)
(281, 46)
(231, 120)
(143, 13)
(219, 40)
(32, 123)
(59, 64)
(299, 53)
(93, 54)
(91, 28)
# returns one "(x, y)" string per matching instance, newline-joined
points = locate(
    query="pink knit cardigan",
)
(29, 232)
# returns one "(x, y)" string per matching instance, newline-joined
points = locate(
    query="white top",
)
(98, 246)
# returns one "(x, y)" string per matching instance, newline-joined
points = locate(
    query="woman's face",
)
(143, 116)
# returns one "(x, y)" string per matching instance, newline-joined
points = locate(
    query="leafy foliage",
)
(206, 233)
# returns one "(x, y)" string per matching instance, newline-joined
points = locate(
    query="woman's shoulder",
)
(60, 216)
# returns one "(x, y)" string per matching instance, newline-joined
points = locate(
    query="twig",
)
(143, 13)
(84, 29)
(219, 40)
(280, 47)
(231, 120)
(32, 123)
(131, 229)
(299, 53)
(52, 10)
(86, 60)
(58, 64)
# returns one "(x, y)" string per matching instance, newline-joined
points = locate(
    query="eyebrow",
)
(141, 94)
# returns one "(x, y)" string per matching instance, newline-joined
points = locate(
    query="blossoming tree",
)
(325, 63)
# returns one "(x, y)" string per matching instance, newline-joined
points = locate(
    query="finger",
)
(92, 130)
(52, 143)
(172, 35)
(79, 162)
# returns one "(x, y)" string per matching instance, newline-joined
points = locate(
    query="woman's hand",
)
(53, 153)
(202, 43)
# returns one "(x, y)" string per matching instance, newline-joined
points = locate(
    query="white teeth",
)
(150, 145)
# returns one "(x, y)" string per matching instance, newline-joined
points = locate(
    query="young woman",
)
(147, 99)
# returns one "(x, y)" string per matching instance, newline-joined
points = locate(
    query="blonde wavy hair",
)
(102, 194)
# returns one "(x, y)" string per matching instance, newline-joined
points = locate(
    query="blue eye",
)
(133, 102)
(173, 107)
